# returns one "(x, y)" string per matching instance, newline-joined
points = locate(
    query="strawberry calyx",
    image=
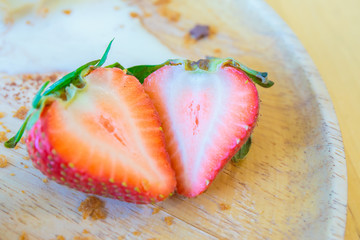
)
(65, 89)
(210, 64)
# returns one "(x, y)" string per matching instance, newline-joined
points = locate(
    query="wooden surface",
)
(291, 185)
(330, 33)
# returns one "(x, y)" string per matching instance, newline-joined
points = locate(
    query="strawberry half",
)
(98, 132)
(208, 110)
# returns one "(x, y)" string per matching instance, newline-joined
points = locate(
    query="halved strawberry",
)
(101, 134)
(208, 110)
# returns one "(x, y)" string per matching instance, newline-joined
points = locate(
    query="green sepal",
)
(68, 78)
(210, 64)
(104, 57)
(142, 71)
(259, 78)
(71, 80)
(244, 150)
(12, 142)
(115, 65)
(38, 96)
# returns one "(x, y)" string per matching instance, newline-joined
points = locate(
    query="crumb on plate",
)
(12, 174)
(26, 158)
(93, 207)
(161, 2)
(3, 137)
(24, 236)
(67, 11)
(21, 113)
(171, 15)
(85, 231)
(60, 237)
(136, 233)
(169, 220)
(200, 31)
(3, 161)
(134, 15)
(2, 114)
(224, 206)
(155, 211)
(45, 180)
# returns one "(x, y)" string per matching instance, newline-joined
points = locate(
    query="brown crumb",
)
(121, 238)
(3, 137)
(67, 11)
(169, 220)
(3, 161)
(147, 14)
(155, 211)
(224, 206)
(22, 140)
(21, 113)
(60, 237)
(171, 15)
(161, 2)
(26, 166)
(22, 191)
(28, 22)
(2, 114)
(134, 15)
(200, 31)
(217, 50)
(83, 238)
(26, 158)
(43, 12)
(45, 180)
(116, 8)
(85, 231)
(16, 147)
(24, 236)
(93, 207)
(136, 233)
(12, 174)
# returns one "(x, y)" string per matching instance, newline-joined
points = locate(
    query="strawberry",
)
(97, 131)
(208, 110)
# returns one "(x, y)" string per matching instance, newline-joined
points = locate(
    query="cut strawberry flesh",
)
(206, 116)
(111, 131)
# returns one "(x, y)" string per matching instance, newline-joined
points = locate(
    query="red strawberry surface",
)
(106, 140)
(208, 113)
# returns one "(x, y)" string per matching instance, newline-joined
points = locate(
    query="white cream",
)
(61, 42)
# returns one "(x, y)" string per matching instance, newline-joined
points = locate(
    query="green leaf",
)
(143, 71)
(12, 142)
(259, 78)
(68, 78)
(104, 57)
(115, 65)
(242, 152)
(37, 98)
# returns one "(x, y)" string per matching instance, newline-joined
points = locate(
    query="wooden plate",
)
(292, 185)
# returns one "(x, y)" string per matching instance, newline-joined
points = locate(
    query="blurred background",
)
(329, 30)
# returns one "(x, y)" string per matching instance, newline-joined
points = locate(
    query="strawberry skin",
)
(106, 140)
(207, 115)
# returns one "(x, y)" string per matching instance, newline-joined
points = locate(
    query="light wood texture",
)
(331, 36)
(291, 185)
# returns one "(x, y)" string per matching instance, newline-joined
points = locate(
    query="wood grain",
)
(331, 37)
(291, 185)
